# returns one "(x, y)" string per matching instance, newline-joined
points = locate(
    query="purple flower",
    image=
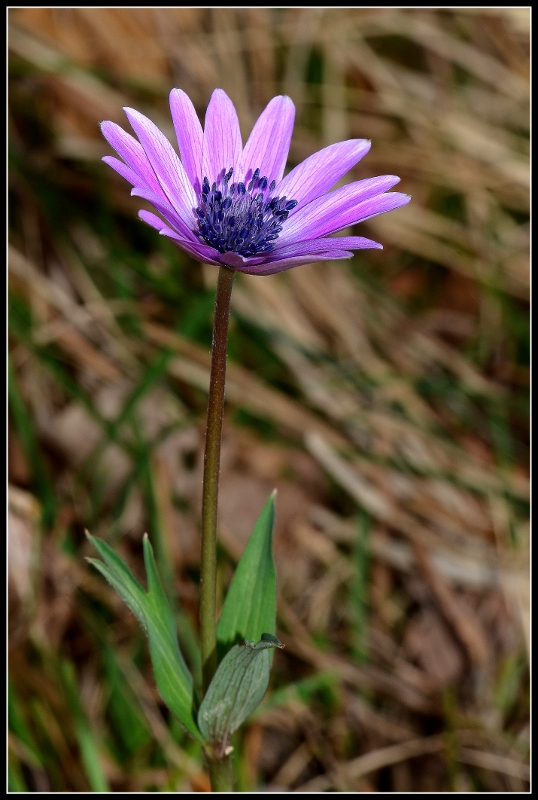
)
(227, 204)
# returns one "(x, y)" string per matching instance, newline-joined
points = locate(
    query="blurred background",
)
(385, 397)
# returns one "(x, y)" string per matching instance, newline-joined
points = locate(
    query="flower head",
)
(227, 204)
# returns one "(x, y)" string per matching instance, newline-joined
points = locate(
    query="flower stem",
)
(220, 774)
(215, 411)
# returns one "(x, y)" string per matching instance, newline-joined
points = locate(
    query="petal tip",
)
(285, 98)
(219, 93)
(132, 113)
(179, 93)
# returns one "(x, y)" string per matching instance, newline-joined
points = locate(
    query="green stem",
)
(220, 774)
(215, 409)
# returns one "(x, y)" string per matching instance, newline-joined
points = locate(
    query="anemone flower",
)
(230, 205)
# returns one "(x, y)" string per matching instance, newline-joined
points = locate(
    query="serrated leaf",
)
(172, 676)
(250, 606)
(237, 688)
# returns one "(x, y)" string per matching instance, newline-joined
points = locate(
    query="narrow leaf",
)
(117, 567)
(113, 560)
(88, 740)
(126, 595)
(172, 676)
(162, 612)
(123, 707)
(237, 688)
(174, 688)
(250, 605)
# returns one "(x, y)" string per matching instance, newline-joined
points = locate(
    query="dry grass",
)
(386, 398)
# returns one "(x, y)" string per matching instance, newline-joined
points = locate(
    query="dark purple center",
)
(241, 219)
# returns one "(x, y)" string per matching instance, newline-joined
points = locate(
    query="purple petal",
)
(269, 143)
(125, 171)
(320, 171)
(346, 206)
(323, 245)
(198, 251)
(222, 144)
(169, 213)
(269, 268)
(151, 219)
(166, 164)
(133, 154)
(237, 261)
(189, 136)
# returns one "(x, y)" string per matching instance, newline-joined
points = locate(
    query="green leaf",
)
(250, 605)
(88, 740)
(166, 657)
(123, 709)
(118, 574)
(119, 586)
(19, 727)
(15, 779)
(237, 688)
(172, 676)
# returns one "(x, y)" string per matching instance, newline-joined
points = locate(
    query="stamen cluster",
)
(242, 219)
